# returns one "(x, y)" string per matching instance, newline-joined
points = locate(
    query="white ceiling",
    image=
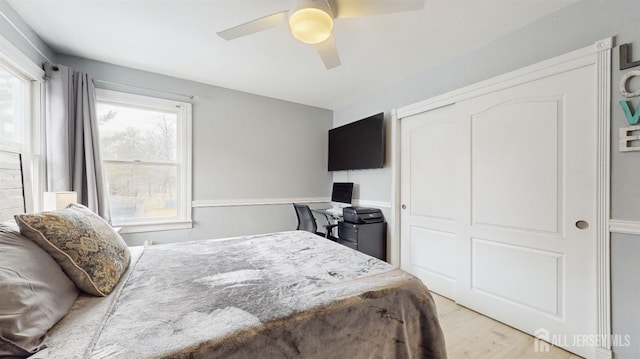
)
(178, 38)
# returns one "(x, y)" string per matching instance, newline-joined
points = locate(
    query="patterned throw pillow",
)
(87, 248)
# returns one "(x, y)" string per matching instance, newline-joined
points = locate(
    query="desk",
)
(327, 215)
(368, 238)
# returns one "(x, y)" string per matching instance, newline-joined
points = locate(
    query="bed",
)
(279, 295)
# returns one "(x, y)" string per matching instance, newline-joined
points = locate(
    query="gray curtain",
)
(71, 133)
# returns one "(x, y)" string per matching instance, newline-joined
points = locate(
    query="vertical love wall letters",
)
(629, 136)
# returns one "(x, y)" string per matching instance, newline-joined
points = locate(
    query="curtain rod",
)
(144, 88)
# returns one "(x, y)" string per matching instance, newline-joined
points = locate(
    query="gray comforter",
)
(283, 295)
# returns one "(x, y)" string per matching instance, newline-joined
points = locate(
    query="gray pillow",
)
(89, 250)
(35, 294)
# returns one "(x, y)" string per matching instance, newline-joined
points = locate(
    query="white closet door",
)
(526, 244)
(429, 206)
(499, 196)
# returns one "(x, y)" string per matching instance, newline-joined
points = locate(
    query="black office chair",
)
(307, 222)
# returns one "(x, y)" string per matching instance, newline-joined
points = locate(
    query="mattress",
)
(280, 295)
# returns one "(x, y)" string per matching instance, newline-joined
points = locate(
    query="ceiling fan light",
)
(311, 25)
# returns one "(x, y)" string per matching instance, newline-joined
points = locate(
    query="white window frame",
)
(31, 144)
(183, 143)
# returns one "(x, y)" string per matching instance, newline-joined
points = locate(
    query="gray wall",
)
(244, 147)
(625, 192)
(574, 27)
(625, 295)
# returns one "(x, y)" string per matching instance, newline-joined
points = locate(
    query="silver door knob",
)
(404, 206)
(582, 224)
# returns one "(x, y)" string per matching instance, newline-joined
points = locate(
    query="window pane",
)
(142, 190)
(12, 106)
(138, 134)
(139, 138)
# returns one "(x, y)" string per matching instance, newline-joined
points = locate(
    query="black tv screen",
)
(357, 145)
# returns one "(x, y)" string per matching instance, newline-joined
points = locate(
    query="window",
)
(146, 151)
(21, 87)
(13, 106)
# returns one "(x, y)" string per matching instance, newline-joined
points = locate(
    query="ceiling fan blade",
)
(357, 8)
(254, 26)
(329, 53)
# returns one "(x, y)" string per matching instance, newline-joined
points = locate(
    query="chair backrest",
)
(306, 221)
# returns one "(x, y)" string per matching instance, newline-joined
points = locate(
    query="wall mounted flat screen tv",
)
(357, 145)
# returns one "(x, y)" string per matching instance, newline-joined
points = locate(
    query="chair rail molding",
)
(279, 201)
(367, 203)
(256, 202)
(624, 227)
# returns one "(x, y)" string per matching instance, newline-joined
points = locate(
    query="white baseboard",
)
(602, 353)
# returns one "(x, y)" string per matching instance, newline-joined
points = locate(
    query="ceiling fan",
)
(311, 21)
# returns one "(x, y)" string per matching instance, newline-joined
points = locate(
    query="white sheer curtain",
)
(71, 134)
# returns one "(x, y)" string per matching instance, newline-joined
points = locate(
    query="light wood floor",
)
(472, 335)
